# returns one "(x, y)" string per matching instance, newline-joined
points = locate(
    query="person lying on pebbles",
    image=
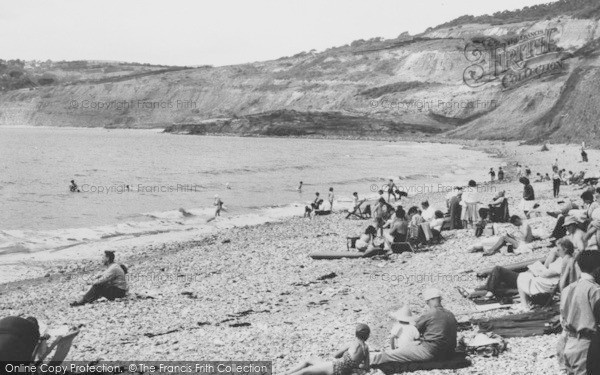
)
(110, 284)
(520, 241)
(353, 357)
(539, 279)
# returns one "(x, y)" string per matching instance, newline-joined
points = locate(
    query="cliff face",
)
(440, 81)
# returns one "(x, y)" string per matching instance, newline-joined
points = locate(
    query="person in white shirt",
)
(428, 212)
(404, 332)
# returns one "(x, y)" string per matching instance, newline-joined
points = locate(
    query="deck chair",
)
(60, 346)
(359, 213)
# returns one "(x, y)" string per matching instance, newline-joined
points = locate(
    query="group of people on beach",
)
(432, 336)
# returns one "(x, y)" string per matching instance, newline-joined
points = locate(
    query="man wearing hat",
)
(437, 328)
(110, 284)
(575, 233)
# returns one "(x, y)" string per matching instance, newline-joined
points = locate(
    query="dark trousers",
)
(559, 231)
(108, 291)
(501, 276)
(556, 187)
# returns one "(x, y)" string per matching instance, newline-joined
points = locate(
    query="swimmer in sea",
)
(73, 187)
(300, 187)
(227, 185)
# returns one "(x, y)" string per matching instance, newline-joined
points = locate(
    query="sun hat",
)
(403, 315)
(431, 293)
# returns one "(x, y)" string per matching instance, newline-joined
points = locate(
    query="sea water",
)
(141, 182)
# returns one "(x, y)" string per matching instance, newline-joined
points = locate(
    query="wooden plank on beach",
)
(517, 267)
(336, 255)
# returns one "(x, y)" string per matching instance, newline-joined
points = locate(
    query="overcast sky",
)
(218, 32)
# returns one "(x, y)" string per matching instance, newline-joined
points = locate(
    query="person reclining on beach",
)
(353, 357)
(111, 283)
(437, 327)
(539, 279)
(559, 230)
(520, 241)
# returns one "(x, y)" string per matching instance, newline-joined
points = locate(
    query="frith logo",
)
(514, 60)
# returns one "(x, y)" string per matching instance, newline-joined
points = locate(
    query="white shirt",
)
(428, 214)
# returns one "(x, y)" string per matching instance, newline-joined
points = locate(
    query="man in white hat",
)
(437, 327)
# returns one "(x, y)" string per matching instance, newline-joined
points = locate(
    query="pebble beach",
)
(253, 292)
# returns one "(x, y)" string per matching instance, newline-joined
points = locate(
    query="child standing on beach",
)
(492, 174)
(330, 198)
(218, 203)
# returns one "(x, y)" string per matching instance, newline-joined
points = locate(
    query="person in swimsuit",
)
(219, 206)
(353, 357)
(330, 198)
(299, 187)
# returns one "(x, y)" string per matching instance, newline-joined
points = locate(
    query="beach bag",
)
(484, 344)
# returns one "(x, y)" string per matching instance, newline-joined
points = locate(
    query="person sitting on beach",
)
(538, 177)
(428, 212)
(527, 171)
(314, 206)
(539, 279)
(110, 284)
(437, 328)
(404, 331)
(366, 240)
(469, 203)
(20, 340)
(437, 224)
(73, 188)
(398, 229)
(559, 230)
(381, 213)
(574, 233)
(351, 358)
(498, 209)
(356, 203)
(520, 241)
(546, 177)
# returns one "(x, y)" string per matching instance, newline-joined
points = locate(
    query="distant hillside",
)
(19, 74)
(533, 80)
(582, 9)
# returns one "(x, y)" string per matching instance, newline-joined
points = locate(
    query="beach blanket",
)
(459, 360)
(534, 323)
